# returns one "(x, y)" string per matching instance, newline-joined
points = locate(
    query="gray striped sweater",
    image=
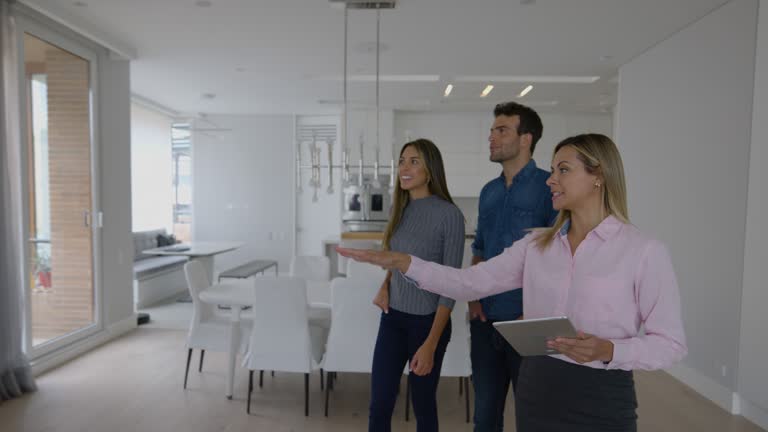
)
(433, 230)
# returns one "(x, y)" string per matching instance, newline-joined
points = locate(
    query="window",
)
(60, 206)
(182, 180)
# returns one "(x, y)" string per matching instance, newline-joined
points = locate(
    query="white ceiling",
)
(281, 56)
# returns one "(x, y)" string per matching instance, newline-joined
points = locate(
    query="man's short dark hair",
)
(530, 122)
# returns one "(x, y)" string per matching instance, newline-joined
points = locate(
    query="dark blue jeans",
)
(494, 365)
(400, 336)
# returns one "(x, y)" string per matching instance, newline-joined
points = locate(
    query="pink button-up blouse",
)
(618, 282)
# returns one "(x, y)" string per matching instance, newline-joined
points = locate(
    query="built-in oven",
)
(379, 204)
(366, 207)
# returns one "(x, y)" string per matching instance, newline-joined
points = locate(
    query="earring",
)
(597, 184)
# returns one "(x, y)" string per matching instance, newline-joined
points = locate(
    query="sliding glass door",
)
(61, 223)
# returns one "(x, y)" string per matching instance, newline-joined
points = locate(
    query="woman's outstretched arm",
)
(499, 274)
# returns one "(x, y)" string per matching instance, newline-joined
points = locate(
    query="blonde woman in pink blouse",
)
(592, 266)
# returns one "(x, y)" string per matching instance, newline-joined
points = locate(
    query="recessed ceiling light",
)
(561, 79)
(208, 96)
(605, 57)
(487, 90)
(448, 90)
(477, 103)
(525, 91)
(240, 69)
(80, 4)
(203, 3)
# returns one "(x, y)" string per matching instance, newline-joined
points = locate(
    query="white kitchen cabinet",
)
(467, 186)
(463, 141)
(467, 253)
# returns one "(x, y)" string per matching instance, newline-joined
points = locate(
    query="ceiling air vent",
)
(365, 4)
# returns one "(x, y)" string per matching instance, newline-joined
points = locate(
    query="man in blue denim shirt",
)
(510, 204)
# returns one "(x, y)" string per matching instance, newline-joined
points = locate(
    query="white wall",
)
(684, 121)
(753, 349)
(243, 187)
(317, 220)
(115, 190)
(151, 168)
(463, 141)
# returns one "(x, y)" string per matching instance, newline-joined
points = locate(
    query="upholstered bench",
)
(155, 277)
(249, 269)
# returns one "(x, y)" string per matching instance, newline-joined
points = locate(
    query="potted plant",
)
(43, 268)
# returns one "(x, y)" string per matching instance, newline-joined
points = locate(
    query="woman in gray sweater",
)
(415, 324)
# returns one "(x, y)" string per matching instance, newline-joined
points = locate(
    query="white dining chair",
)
(281, 338)
(456, 361)
(354, 327)
(355, 244)
(360, 270)
(316, 271)
(207, 330)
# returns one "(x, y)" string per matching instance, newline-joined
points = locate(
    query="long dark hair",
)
(433, 165)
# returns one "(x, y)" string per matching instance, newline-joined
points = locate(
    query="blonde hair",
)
(600, 157)
(435, 170)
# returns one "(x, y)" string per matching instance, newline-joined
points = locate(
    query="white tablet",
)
(529, 336)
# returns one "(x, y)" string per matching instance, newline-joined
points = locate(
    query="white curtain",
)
(15, 373)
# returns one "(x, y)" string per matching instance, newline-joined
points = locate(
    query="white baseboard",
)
(753, 413)
(721, 395)
(736, 407)
(64, 355)
(707, 387)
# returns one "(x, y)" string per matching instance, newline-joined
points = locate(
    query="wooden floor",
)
(135, 384)
(57, 312)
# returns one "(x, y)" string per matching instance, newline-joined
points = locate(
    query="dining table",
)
(202, 251)
(237, 295)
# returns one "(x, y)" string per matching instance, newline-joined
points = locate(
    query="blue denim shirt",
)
(504, 215)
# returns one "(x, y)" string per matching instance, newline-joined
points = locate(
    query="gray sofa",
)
(155, 277)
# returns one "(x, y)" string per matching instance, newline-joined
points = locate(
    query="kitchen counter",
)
(359, 239)
(362, 235)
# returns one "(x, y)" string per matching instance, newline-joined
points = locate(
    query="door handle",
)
(364, 206)
(87, 218)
